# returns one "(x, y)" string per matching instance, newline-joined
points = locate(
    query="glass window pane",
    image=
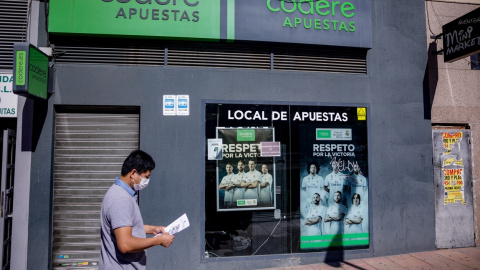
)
(285, 179)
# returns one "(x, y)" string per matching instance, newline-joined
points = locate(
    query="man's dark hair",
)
(310, 164)
(138, 160)
(358, 195)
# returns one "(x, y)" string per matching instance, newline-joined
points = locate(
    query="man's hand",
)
(158, 229)
(127, 243)
(165, 239)
(149, 229)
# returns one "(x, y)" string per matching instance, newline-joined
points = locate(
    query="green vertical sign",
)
(30, 76)
(20, 70)
(37, 73)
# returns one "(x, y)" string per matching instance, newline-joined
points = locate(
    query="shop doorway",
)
(454, 219)
(6, 195)
(89, 151)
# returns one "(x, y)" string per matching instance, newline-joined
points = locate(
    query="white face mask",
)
(143, 184)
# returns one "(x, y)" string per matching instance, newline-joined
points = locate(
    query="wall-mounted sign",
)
(461, 37)
(169, 104)
(8, 100)
(30, 71)
(176, 105)
(325, 22)
(183, 105)
(190, 19)
(336, 23)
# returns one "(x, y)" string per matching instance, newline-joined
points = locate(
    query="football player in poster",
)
(238, 181)
(251, 181)
(227, 185)
(358, 184)
(266, 183)
(335, 181)
(335, 215)
(353, 221)
(313, 220)
(311, 184)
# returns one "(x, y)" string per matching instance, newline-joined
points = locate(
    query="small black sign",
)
(461, 37)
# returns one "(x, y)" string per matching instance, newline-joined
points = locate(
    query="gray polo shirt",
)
(120, 209)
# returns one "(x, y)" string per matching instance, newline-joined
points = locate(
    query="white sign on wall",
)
(176, 105)
(169, 104)
(183, 105)
(8, 100)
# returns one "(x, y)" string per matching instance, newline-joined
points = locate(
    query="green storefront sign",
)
(171, 19)
(337, 23)
(30, 77)
(21, 68)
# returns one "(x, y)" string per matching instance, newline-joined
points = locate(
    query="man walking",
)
(123, 233)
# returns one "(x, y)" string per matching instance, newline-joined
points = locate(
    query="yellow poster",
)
(452, 168)
(453, 182)
(449, 140)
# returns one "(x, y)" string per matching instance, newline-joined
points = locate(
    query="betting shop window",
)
(285, 179)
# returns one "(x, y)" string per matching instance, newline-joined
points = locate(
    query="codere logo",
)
(165, 2)
(148, 13)
(315, 8)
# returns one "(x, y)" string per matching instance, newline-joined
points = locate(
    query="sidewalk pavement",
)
(456, 259)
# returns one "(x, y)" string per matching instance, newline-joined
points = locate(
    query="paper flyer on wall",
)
(178, 225)
(215, 149)
(453, 168)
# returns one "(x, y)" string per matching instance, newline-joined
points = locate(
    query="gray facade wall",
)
(401, 186)
(454, 88)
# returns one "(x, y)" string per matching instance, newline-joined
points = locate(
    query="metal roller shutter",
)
(13, 28)
(89, 151)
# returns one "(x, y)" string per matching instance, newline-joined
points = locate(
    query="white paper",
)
(215, 149)
(183, 104)
(178, 225)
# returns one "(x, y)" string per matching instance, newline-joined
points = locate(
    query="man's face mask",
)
(143, 183)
